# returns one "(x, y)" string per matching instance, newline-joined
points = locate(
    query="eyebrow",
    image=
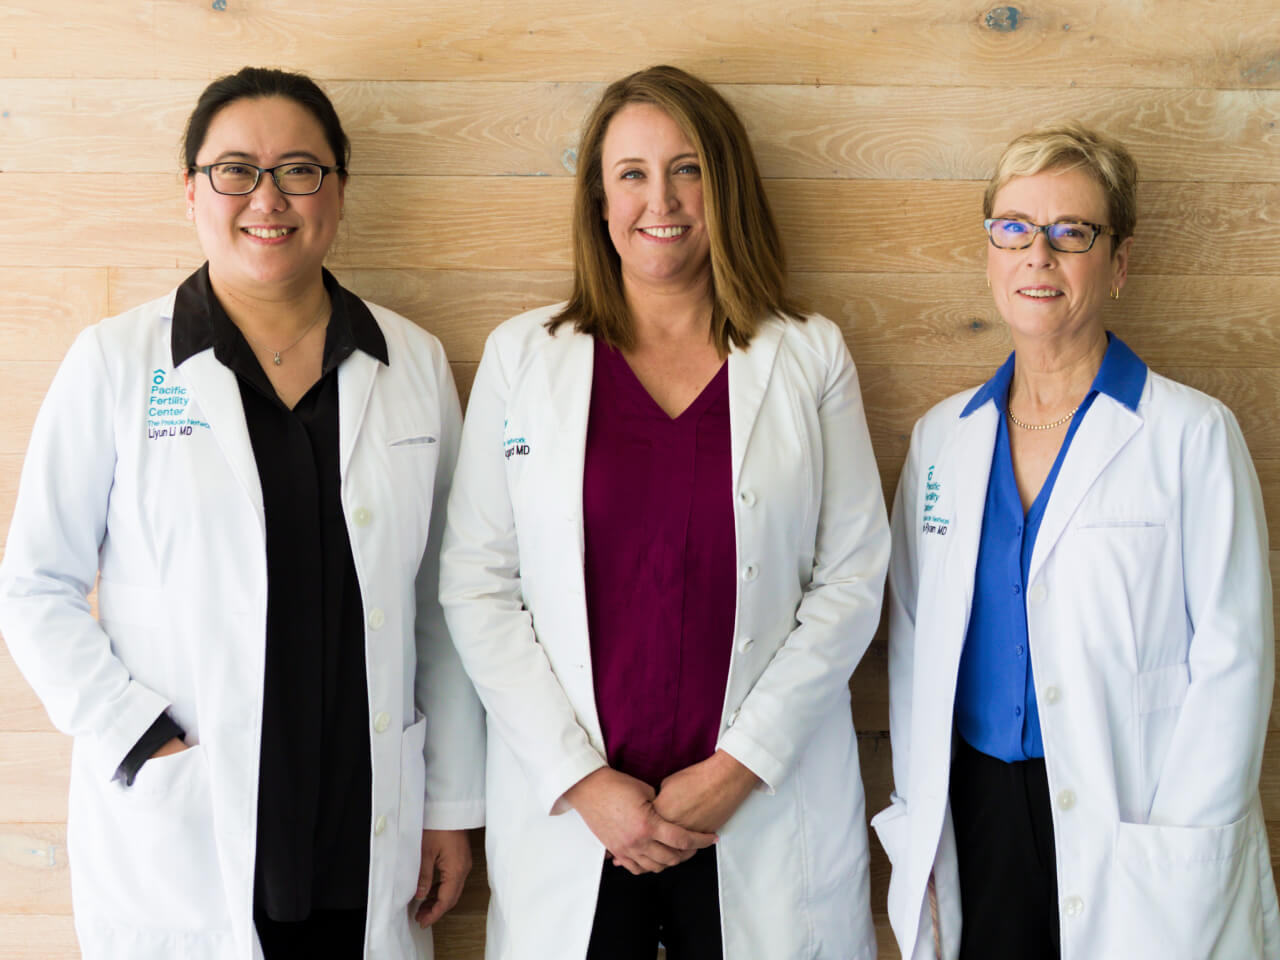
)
(284, 157)
(642, 161)
(1018, 215)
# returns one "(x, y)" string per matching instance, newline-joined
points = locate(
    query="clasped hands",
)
(646, 831)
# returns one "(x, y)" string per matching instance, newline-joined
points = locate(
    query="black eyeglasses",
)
(234, 178)
(1066, 236)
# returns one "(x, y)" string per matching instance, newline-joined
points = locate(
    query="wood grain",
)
(917, 42)
(1212, 321)
(521, 223)
(798, 131)
(40, 764)
(38, 938)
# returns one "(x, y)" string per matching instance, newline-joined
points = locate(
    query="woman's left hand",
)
(446, 861)
(705, 795)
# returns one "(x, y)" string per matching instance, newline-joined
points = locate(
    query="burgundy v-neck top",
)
(660, 566)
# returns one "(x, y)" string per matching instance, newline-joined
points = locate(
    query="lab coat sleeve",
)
(1214, 758)
(483, 601)
(840, 605)
(455, 741)
(51, 562)
(891, 823)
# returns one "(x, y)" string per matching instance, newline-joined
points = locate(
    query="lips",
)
(664, 232)
(269, 233)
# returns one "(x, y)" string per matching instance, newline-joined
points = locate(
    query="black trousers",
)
(338, 934)
(1008, 868)
(679, 907)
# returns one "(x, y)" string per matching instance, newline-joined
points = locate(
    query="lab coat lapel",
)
(356, 375)
(1107, 427)
(966, 462)
(569, 371)
(749, 372)
(215, 388)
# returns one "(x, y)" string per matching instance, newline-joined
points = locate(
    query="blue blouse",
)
(995, 707)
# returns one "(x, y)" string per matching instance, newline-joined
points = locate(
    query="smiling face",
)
(653, 200)
(1040, 291)
(265, 242)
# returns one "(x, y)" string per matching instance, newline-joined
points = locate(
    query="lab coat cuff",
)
(754, 757)
(453, 815)
(129, 718)
(553, 787)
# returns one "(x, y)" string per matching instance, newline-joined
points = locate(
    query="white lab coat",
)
(1150, 619)
(812, 546)
(172, 517)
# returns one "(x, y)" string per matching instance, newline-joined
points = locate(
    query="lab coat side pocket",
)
(154, 848)
(413, 779)
(1186, 892)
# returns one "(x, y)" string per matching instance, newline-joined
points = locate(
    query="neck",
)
(270, 314)
(1053, 376)
(670, 313)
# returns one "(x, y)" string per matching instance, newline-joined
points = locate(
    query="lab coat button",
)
(376, 619)
(746, 498)
(744, 643)
(1073, 906)
(361, 516)
(1066, 800)
(1037, 593)
(1051, 694)
(381, 722)
(379, 825)
(749, 572)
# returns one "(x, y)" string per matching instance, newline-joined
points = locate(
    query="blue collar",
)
(1121, 377)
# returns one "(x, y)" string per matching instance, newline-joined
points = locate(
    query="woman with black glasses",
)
(1081, 640)
(253, 468)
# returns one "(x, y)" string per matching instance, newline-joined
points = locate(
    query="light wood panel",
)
(38, 938)
(521, 223)
(40, 763)
(456, 128)
(1076, 43)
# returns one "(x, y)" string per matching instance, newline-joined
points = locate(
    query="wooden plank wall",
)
(869, 117)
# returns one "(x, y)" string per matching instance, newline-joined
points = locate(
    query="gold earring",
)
(1115, 293)
(988, 283)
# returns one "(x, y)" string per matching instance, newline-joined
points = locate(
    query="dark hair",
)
(253, 83)
(748, 268)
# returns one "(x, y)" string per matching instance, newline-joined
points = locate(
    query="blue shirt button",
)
(1017, 711)
(1018, 650)
(1017, 588)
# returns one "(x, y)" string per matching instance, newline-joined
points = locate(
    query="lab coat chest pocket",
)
(158, 837)
(1186, 892)
(412, 453)
(413, 778)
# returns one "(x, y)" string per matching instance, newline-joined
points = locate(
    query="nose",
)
(266, 196)
(662, 194)
(1040, 253)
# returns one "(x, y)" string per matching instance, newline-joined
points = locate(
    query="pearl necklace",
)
(1042, 426)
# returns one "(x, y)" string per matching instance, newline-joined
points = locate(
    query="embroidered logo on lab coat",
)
(933, 523)
(513, 446)
(167, 415)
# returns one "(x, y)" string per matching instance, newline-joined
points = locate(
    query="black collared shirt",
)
(315, 778)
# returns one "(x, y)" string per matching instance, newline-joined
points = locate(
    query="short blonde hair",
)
(1073, 146)
(748, 267)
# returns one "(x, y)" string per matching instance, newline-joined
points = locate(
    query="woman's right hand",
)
(172, 745)
(619, 811)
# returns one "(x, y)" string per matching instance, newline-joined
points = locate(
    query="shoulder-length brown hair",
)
(748, 267)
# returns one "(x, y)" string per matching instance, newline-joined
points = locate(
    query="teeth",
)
(663, 233)
(1042, 294)
(267, 233)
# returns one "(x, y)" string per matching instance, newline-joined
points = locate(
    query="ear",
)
(1120, 262)
(189, 188)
